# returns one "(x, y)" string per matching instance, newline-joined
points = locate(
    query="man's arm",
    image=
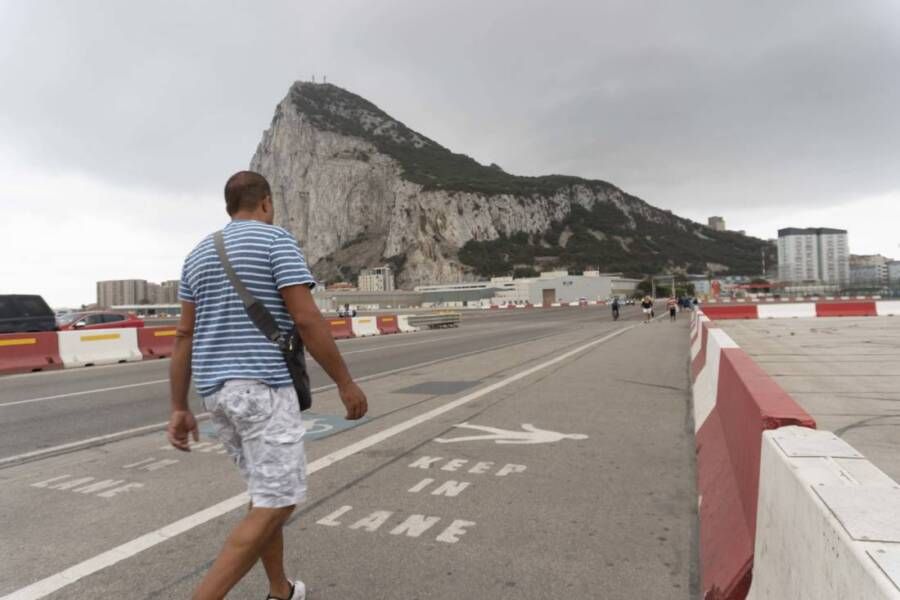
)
(316, 335)
(182, 422)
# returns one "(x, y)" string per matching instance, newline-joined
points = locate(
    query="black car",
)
(25, 313)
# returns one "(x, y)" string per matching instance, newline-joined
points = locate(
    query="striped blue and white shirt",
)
(226, 343)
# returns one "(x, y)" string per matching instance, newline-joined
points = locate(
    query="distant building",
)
(122, 291)
(819, 255)
(716, 223)
(869, 271)
(379, 279)
(893, 269)
(169, 291)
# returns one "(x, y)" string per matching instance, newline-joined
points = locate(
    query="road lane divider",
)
(26, 352)
(828, 521)
(156, 342)
(735, 401)
(364, 326)
(62, 579)
(98, 347)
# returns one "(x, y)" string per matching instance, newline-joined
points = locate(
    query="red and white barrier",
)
(800, 310)
(828, 521)
(403, 323)
(98, 347)
(25, 352)
(341, 328)
(888, 308)
(364, 326)
(156, 342)
(387, 324)
(734, 402)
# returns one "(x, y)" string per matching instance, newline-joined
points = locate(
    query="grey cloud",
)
(686, 104)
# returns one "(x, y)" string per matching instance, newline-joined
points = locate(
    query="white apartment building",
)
(813, 255)
(379, 279)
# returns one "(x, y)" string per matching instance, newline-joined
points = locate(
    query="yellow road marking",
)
(100, 337)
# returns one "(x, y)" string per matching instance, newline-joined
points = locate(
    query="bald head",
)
(245, 192)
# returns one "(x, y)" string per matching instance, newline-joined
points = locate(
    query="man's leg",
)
(272, 557)
(242, 549)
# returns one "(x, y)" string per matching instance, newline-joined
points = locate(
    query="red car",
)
(98, 320)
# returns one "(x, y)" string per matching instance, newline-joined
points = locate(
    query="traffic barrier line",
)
(829, 308)
(827, 521)
(99, 347)
(734, 402)
(156, 342)
(387, 324)
(364, 326)
(341, 328)
(26, 352)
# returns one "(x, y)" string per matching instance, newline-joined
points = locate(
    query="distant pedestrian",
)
(647, 307)
(244, 380)
(615, 308)
(672, 305)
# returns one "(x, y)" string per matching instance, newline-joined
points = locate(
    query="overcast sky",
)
(119, 122)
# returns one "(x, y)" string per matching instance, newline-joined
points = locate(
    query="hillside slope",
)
(359, 188)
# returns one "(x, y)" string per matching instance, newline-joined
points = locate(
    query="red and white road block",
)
(800, 310)
(734, 402)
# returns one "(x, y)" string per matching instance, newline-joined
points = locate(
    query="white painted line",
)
(96, 441)
(428, 341)
(84, 392)
(47, 586)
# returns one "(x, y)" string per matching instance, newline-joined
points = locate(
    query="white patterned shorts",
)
(261, 428)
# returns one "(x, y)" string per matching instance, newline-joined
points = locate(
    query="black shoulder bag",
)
(290, 345)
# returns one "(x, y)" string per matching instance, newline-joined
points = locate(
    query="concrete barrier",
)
(888, 308)
(403, 324)
(734, 402)
(846, 309)
(787, 311)
(387, 324)
(26, 352)
(156, 342)
(98, 347)
(734, 311)
(341, 328)
(364, 326)
(829, 522)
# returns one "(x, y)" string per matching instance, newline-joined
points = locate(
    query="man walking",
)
(244, 381)
(672, 305)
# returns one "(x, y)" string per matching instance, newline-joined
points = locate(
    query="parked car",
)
(99, 320)
(21, 313)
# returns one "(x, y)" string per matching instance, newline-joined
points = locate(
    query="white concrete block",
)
(707, 384)
(364, 326)
(98, 346)
(814, 512)
(888, 308)
(787, 311)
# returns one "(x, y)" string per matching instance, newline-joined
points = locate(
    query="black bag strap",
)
(256, 310)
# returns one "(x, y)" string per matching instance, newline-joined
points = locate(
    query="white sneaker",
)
(299, 592)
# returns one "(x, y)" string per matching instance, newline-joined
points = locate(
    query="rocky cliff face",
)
(358, 188)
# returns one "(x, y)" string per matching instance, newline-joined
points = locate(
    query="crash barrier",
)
(25, 352)
(829, 521)
(734, 402)
(341, 328)
(888, 308)
(387, 324)
(364, 326)
(98, 346)
(156, 342)
(870, 308)
(403, 324)
(435, 321)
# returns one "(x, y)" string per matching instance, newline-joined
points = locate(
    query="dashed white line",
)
(47, 586)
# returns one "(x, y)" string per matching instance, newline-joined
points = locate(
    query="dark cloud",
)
(688, 104)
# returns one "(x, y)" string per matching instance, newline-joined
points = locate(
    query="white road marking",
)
(95, 441)
(57, 581)
(158, 381)
(529, 435)
(84, 392)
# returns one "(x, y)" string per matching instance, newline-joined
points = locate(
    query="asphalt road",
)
(434, 495)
